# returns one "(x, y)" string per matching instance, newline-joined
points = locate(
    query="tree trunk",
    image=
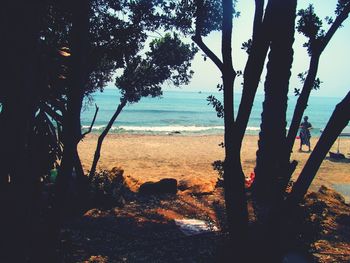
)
(235, 199)
(302, 101)
(271, 155)
(338, 121)
(71, 118)
(20, 27)
(77, 165)
(254, 66)
(102, 136)
(235, 196)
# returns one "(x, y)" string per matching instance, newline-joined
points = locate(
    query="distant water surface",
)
(188, 113)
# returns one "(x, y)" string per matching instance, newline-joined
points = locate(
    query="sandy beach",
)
(189, 158)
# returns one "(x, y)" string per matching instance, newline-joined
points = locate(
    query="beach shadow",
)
(304, 151)
(345, 160)
(143, 230)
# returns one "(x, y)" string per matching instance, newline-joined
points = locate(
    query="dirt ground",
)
(143, 229)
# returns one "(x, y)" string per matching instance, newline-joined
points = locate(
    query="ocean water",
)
(187, 113)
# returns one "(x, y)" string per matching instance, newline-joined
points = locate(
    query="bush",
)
(108, 187)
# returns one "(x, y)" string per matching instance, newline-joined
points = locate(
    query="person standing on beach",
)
(305, 134)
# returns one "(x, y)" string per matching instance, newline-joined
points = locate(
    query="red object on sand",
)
(298, 137)
(249, 180)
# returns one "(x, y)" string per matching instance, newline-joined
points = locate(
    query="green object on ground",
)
(53, 175)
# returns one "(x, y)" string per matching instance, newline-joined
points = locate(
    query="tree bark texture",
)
(271, 155)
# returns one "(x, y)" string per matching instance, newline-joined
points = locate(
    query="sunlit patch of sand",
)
(189, 158)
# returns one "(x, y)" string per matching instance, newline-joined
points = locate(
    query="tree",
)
(78, 74)
(311, 26)
(336, 124)
(48, 76)
(273, 28)
(116, 31)
(269, 165)
(111, 33)
(235, 198)
(234, 183)
(168, 59)
(20, 26)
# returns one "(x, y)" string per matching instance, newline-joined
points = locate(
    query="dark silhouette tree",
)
(310, 25)
(46, 47)
(272, 138)
(257, 50)
(272, 28)
(235, 130)
(20, 27)
(78, 74)
(114, 32)
(168, 59)
(234, 183)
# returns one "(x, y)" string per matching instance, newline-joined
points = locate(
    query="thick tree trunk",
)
(102, 136)
(271, 155)
(20, 27)
(235, 196)
(71, 119)
(272, 161)
(338, 121)
(6, 151)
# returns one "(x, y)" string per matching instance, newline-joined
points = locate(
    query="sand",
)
(189, 158)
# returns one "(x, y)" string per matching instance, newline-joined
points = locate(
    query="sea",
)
(187, 113)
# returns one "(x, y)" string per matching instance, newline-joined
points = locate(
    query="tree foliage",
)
(310, 25)
(168, 59)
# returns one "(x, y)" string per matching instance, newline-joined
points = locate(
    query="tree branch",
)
(103, 135)
(254, 65)
(57, 117)
(197, 38)
(336, 24)
(92, 123)
(258, 17)
(310, 79)
(338, 121)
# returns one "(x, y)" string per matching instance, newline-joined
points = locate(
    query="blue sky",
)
(334, 65)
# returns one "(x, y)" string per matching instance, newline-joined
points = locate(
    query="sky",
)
(334, 64)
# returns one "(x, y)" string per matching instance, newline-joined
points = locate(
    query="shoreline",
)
(179, 133)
